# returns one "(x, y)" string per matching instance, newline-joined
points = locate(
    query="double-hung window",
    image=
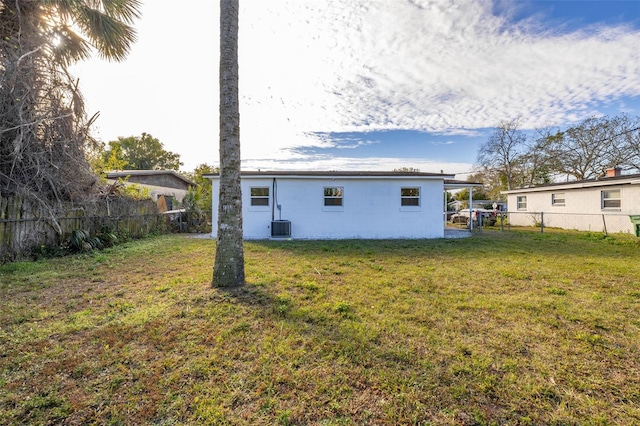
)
(522, 202)
(557, 199)
(260, 196)
(410, 197)
(611, 199)
(333, 196)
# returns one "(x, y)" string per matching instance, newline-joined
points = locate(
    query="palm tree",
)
(228, 269)
(43, 129)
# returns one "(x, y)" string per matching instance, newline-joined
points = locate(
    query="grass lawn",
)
(500, 328)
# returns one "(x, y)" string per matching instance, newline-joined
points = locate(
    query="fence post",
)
(501, 222)
(541, 222)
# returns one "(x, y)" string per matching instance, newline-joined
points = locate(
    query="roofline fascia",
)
(575, 185)
(337, 176)
(125, 173)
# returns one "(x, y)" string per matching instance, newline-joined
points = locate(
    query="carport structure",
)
(454, 185)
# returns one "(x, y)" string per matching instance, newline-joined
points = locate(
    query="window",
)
(333, 196)
(611, 199)
(522, 202)
(410, 197)
(557, 199)
(260, 196)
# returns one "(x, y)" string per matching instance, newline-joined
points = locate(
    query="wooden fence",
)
(24, 228)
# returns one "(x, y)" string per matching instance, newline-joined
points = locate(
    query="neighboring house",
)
(165, 186)
(335, 205)
(604, 204)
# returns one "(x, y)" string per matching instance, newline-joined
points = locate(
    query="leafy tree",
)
(102, 161)
(228, 269)
(143, 153)
(493, 183)
(197, 175)
(463, 195)
(43, 127)
(204, 197)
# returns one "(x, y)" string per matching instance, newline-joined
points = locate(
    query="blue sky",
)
(369, 84)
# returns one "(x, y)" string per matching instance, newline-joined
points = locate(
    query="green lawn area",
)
(500, 328)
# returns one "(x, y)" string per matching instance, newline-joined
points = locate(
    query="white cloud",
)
(364, 164)
(308, 66)
(433, 66)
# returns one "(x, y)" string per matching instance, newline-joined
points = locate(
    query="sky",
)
(368, 84)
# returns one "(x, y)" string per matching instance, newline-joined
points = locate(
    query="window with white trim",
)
(522, 202)
(410, 197)
(557, 199)
(611, 199)
(260, 196)
(333, 196)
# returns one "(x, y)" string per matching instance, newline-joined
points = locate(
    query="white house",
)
(605, 204)
(335, 205)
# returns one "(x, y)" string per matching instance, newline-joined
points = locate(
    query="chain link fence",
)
(604, 222)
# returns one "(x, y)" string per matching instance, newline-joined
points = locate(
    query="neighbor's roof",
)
(458, 184)
(633, 179)
(336, 173)
(114, 174)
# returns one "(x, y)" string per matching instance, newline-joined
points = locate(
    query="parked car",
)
(489, 217)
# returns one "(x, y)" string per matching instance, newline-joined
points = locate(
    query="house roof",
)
(336, 173)
(633, 179)
(459, 184)
(114, 174)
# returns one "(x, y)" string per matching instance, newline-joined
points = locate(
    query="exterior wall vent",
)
(280, 228)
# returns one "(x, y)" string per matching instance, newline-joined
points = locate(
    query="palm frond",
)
(105, 25)
(112, 38)
(123, 10)
(68, 46)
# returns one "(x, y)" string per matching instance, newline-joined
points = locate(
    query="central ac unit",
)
(280, 228)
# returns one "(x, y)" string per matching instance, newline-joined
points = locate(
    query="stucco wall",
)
(371, 208)
(582, 209)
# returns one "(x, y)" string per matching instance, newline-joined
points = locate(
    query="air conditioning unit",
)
(280, 228)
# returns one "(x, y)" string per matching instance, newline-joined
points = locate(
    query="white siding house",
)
(603, 204)
(337, 205)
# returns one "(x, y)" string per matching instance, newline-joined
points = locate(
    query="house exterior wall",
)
(371, 208)
(156, 191)
(159, 180)
(582, 209)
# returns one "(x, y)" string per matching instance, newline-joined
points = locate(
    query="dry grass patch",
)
(514, 328)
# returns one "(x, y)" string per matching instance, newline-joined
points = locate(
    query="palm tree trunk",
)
(228, 270)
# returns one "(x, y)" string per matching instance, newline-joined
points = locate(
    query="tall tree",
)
(587, 150)
(228, 269)
(143, 153)
(43, 128)
(628, 132)
(503, 152)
